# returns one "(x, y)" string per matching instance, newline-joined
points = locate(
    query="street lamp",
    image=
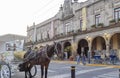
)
(106, 36)
(88, 39)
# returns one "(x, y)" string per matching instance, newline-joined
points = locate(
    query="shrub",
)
(93, 26)
(112, 21)
(100, 24)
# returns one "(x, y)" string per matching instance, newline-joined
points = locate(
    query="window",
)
(68, 27)
(8, 46)
(117, 14)
(97, 19)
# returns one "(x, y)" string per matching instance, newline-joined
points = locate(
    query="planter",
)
(71, 58)
(93, 26)
(112, 23)
(100, 25)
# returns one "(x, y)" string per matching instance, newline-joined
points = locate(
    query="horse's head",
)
(24, 66)
(57, 49)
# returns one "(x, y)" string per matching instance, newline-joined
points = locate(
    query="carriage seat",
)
(34, 55)
(30, 55)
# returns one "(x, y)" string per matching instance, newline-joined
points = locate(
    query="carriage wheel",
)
(5, 71)
(33, 71)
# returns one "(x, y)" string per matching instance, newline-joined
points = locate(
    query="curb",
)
(74, 62)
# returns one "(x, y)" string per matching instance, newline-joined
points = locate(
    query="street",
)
(63, 70)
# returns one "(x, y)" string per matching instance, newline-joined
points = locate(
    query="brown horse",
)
(42, 58)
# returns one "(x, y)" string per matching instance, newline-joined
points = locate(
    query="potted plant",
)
(112, 21)
(100, 25)
(93, 26)
(78, 30)
(119, 19)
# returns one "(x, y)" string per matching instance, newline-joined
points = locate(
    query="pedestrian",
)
(83, 59)
(66, 55)
(102, 58)
(78, 58)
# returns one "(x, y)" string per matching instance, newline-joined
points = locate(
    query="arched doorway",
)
(83, 47)
(59, 46)
(115, 41)
(98, 45)
(67, 50)
(115, 44)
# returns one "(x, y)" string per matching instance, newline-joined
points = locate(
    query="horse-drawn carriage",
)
(9, 64)
(29, 60)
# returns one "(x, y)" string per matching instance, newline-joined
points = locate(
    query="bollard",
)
(119, 73)
(72, 71)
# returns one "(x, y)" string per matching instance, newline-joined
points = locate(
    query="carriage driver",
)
(29, 54)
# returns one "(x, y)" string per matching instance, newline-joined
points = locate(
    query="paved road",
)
(63, 70)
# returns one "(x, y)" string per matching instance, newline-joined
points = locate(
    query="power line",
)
(47, 4)
(49, 9)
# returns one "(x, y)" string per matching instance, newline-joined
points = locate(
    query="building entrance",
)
(83, 47)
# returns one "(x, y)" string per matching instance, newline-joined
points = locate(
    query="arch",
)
(67, 49)
(59, 46)
(83, 47)
(115, 41)
(98, 45)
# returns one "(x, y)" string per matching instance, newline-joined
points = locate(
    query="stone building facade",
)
(88, 27)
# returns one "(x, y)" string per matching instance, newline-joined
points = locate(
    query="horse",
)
(43, 58)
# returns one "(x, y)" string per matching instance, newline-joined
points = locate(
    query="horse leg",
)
(25, 74)
(46, 71)
(42, 71)
(29, 74)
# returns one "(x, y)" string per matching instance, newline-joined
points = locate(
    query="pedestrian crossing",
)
(114, 74)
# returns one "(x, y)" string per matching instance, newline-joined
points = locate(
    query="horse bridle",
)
(55, 49)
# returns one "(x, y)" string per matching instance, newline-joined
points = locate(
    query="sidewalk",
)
(74, 62)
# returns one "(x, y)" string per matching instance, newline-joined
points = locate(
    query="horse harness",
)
(41, 55)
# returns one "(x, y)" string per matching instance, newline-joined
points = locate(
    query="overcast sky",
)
(15, 15)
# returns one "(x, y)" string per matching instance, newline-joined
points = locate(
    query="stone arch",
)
(83, 47)
(59, 46)
(67, 49)
(115, 41)
(98, 44)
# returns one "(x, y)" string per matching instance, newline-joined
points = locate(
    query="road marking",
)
(108, 75)
(78, 72)
(50, 71)
(66, 67)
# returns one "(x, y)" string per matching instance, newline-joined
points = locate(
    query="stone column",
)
(89, 51)
(62, 48)
(107, 47)
(107, 41)
(90, 47)
(74, 49)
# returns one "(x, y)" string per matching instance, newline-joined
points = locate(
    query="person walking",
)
(102, 58)
(78, 58)
(83, 59)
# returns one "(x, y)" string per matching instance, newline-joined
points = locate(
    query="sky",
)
(16, 15)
